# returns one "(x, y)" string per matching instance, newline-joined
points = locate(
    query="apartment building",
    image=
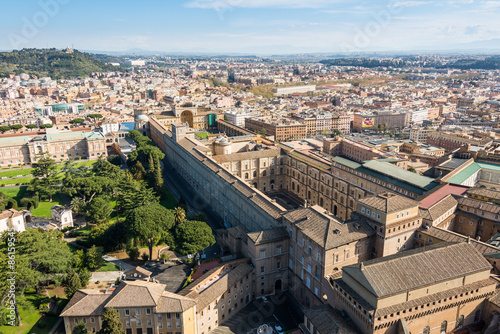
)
(280, 129)
(450, 141)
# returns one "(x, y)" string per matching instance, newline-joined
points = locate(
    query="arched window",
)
(254, 174)
(264, 173)
(444, 326)
(246, 176)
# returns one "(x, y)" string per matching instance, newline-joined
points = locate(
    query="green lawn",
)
(31, 318)
(203, 135)
(83, 231)
(15, 181)
(16, 193)
(43, 209)
(169, 202)
(108, 266)
(16, 172)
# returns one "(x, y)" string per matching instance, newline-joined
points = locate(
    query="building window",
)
(127, 312)
(262, 269)
(262, 253)
(148, 311)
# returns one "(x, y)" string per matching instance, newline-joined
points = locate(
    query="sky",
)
(251, 26)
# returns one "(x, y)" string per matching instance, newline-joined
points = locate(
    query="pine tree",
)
(73, 283)
(111, 322)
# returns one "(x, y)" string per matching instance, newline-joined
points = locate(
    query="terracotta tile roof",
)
(173, 303)
(205, 297)
(10, 213)
(327, 320)
(86, 302)
(327, 231)
(138, 269)
(439, 208)
(136, 294)
(480, 205)
(449, 236)
(388, 202)
(438, 193)
(265, 236)
(416, 268)
(492, 194)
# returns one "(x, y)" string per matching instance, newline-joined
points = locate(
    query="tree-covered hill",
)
(51, 62)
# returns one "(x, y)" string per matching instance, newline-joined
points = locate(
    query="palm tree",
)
(76, 205)
(179, 215)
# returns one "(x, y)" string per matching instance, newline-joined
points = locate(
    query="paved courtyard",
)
(277, 311)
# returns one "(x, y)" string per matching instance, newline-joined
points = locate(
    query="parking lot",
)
(277, 311)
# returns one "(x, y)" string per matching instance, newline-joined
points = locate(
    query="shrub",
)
(145, 256)
(133, 253)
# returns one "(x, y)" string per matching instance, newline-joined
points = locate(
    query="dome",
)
(142, 118)
(224, 140)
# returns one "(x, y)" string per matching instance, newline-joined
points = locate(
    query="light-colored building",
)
(12, 219)
(282, 91)
(427, 290)
(62, 215)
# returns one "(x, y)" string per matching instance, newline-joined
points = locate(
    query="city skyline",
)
(256, 27)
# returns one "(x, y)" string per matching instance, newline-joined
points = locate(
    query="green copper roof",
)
(465, 174)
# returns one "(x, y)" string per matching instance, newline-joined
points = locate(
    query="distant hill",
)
(51, 62)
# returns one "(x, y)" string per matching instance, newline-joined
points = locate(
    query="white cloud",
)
(409, 3)
(225, 4)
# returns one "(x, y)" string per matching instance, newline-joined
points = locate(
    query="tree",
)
(89, 187)
(133, 194)
(99, 210)
(85, 276)
(193, 236)
(115, 160)
(46, 251)
(149, 223)
(45, 126)
(95, 117)
(45, 178)
(77, 121)
(111, 323)
(179, 215)
(4, 128)
(262, 132)
(31, 126)
(16, 126)
(77, 205)
(80, 328)
(94, 257)
(133, 253)
(138, 171)
(412, 169)
(73, 283)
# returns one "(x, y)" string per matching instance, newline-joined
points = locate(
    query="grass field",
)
(169, 202)
(203, 135)
(43, 209)
(16, 172)
(16, 181)
(16, 193)
(31, 317)
(108, 266)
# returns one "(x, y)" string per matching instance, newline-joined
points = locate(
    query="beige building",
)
(143, 307)
(427, 290)
(280, 129)
(17, 150)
